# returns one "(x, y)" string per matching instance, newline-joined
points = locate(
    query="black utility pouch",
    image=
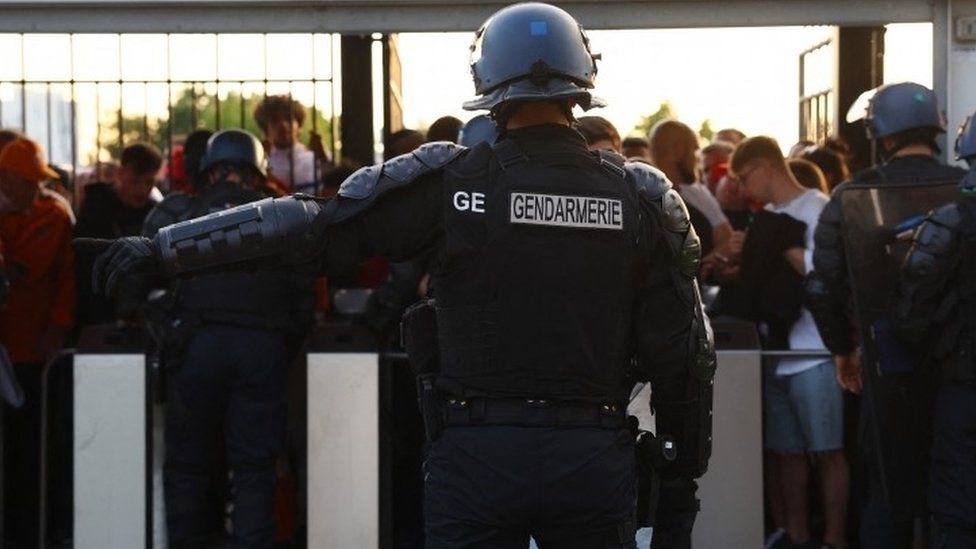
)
(418, 332)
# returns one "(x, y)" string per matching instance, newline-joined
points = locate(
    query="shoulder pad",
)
(651, 182)
(374, 180)
(947, 216)
(175, 207)
(613, 163)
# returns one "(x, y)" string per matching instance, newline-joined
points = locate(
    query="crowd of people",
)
(755, 209)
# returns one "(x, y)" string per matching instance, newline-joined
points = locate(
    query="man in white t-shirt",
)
(802, 402)
(295, 167)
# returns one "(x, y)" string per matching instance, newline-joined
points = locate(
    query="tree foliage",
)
(664, 111)
(193, 110)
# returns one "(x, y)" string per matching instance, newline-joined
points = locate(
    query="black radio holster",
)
(653, 453)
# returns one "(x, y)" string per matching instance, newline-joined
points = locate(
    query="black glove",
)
(132, 255)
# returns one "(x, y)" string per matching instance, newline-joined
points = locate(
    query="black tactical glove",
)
(132, 255)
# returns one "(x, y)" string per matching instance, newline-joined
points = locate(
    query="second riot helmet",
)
(894, 108)
(966, 141)
(532, 51)
(236, 146)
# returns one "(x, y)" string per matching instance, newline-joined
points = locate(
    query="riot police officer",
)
(856, 256)
(937, 313)
(561, 277)
(228, 339)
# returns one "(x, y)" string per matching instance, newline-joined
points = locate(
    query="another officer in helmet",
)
(856, 261)
(937, 310)
(229, 337)
(562, 276)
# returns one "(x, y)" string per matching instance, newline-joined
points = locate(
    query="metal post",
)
(23, 84)
(121, 99)
(74, 126)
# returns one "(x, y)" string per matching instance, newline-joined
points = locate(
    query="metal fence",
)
(84, 97)
(816, 94)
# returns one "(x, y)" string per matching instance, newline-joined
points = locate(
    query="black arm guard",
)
(270, 227)
(828, 292)
(289, 228)
(683, 406)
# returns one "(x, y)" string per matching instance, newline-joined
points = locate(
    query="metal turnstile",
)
(731, 492)
(113, 503)
(345, 507)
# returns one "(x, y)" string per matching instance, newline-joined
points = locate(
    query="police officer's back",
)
(936, 311)
(904, 121)
(562, 276)
(228, 337)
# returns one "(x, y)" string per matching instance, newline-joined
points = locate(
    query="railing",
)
(115, 89)
(816, 99)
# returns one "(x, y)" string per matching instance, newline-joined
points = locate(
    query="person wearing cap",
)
(904, 121)
(36, 229)
(561, 277)
(937, 313)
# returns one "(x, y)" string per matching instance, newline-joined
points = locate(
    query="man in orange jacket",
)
(35, 228)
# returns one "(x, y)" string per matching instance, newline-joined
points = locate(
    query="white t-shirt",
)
(699, 197)
(297, 173)
(804, 334)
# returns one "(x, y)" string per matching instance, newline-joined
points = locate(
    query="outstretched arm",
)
(392, 209)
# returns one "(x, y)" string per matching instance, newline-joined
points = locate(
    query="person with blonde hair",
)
(803, 403)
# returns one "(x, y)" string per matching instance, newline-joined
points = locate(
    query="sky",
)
(736, 77)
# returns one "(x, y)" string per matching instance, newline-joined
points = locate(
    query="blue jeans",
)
(804, 412)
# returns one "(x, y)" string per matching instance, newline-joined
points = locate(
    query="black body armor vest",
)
(278, 299)
(535, 287)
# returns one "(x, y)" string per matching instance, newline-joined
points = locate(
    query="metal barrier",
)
(347, 484)
(113, 465)
(42, 484)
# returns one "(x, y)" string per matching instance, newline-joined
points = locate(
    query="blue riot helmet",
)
(966, 141)
(966, 150)
(532, 51)
(235, 146)
(480, 129)
(894, 108)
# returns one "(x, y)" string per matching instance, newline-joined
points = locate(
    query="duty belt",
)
(532, 413)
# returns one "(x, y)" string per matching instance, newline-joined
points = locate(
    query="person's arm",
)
(675, 352)
(674, 345)
(392, 209)
(828, 293)
(61, 317)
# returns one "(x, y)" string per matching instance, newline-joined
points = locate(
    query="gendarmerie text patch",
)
(586, 212)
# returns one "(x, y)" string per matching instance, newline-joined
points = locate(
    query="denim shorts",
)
(804, 412)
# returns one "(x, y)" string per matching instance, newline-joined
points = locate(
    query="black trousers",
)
(228, 383)
(495, 486)
(952, 490)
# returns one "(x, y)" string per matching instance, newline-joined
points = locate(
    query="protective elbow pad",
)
(271, 227)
